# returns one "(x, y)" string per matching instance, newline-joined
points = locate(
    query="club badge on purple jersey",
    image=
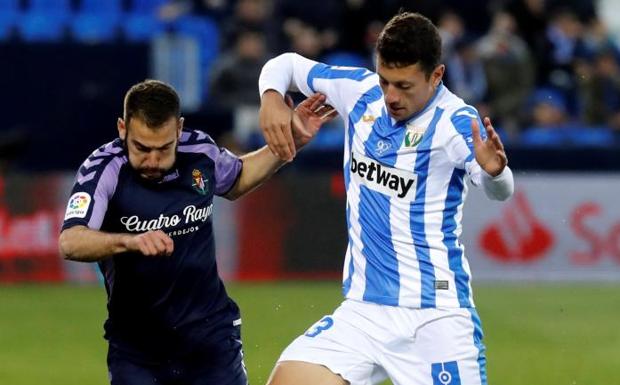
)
(199, 183)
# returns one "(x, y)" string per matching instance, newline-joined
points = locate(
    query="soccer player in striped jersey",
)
(411, 148)
(142, 207)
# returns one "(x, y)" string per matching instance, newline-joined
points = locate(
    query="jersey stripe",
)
(323, 71)
(382, 277)
(427, 270)
(448, 228)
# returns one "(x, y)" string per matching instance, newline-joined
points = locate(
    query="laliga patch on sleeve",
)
(78, 205)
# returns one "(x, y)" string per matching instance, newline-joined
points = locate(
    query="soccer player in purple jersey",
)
(142, 208)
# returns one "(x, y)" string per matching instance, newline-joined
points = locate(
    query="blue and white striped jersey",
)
(406, 183)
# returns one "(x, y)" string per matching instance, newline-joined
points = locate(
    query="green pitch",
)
(535, 335)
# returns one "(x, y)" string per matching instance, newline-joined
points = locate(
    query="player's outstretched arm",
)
(260, 165)
(79, 243)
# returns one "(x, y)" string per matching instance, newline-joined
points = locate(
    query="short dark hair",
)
(151, 101)
(410, 38)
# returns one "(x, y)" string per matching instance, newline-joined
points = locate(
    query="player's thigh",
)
(303, 373)
(338, 349)
(446, 351)
(122, 371)
(221, 364)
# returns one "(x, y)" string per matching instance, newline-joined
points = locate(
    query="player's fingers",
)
(488, 126)
(270, 142)
(281, 143)
(316, 101)
(497, 141)
(159, 241)
(297, 123)
(328, 113)
(146, 247)
(289, 101)
(475, 130)
(503, 160)
(288, 135)
(276, 141)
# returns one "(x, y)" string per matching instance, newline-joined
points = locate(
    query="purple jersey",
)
(158, 305)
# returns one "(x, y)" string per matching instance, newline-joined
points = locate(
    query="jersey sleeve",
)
(93, 188)
(227, 170)
(460, 148)
(227, 166)
(342, 86)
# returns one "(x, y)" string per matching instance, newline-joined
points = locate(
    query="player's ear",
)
(122, 129)
(180, 127)
(437, 75)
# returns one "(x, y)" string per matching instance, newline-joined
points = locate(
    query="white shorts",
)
(366, 343)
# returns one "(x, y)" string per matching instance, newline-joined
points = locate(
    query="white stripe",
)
(402, 241)
(436, 194)
(358, 281)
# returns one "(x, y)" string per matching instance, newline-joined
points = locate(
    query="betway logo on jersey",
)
(386, 180)
(191, 214)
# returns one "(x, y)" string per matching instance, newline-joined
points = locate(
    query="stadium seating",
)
(96, 21)
(9, 15)
(95, 28)
(568, 136)
(45, 21)
(97, 6)
(146, 6)
(141, 27)
(206, 33)
(346, 59)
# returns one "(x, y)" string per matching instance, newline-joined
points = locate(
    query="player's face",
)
(151, 152)
(408, 89)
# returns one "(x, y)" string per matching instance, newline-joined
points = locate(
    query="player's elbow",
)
(66, 244)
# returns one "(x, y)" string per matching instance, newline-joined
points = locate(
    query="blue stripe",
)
(323, 71)
(427, 271)
(462, 124)
(370, 96)
(448, 228)
(478, 337)
(382, 276)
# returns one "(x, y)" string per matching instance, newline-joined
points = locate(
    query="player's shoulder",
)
(457, 113)
(105, 153)
(196, 143)
(194, 137)
(108, 156)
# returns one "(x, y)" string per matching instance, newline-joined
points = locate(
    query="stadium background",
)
(546, 264)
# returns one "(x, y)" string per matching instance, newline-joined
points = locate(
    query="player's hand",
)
(275, 122)
(308, 118)
(151, 244)
(489, 153)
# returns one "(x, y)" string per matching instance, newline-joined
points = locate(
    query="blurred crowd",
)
(544, 70)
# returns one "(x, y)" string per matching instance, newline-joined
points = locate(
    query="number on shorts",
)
(316, 329)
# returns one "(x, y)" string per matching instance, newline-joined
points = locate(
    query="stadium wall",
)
(558, 226)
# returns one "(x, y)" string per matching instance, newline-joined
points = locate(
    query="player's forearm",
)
(258, 166)
(82, 244)
(500, 187)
